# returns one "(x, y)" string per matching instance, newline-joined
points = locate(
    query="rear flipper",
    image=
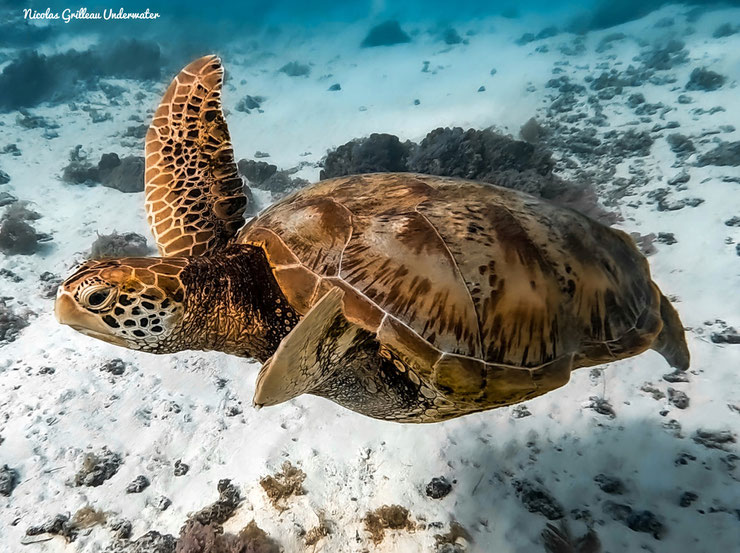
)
(671, 342)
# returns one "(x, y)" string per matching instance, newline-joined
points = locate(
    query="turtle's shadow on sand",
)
(655, 460)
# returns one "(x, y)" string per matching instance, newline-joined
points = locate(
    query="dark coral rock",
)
(617, 511)
(438, 488)
(687, 498)
(127, 175)
(295, 69)
(531, 131)
(97, 468)
(138, 485)
(609, 484)
(637, 521)
(181, 469)
(729, 336)
(560, 540)
(7, 199)
(8, 480)
(256, 172)
(79, 170)
(473, 154)
(477, 155)
(27, 120)
(526, 38)
(537, 500)
(602, 407)
(635, 100)
(249, 103)
(376, 153)
(97, 116)
(127, 244)
(11, 323)
(32, 77)
(724, 154)
(335, 87)
(121, 529)
(162, 503)
(60, 525)
(667, 238)
(132, 59)
(17, 237)
(724, 30)
(645, 521)
(680, 144)
(151, 542)
(714, 439)
(547, 32)
(222, 509)
(633, 143)
(136, 131)
(116, 367)
(451, 36)
(210, 538)
(664, 56)
(676, 376)
(4, 177)
(733, 221)
(678, 398)
(387, 33)
(704, 79)
(682, 178)
(281, 183)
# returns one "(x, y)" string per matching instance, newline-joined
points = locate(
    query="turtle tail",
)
(671, 342)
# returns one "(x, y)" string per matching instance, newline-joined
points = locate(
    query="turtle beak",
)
(69, 313)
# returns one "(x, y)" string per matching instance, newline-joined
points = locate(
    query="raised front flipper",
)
(195, 199)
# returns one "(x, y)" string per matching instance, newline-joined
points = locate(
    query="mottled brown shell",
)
(469, 277)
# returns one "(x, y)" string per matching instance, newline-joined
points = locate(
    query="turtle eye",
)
(98, 297)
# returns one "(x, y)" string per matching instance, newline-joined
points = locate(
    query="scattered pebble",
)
(714, 439)
(116, 367)
(537, 500)
(8, 480)
(138, 485)
(676, 376)
(678, 398)
(97, 468)
(602, 407)
(181, 469)
(11, 323)
(60, 525)
(609, 484)
(162, 503)
(438, 488)
(704, 79)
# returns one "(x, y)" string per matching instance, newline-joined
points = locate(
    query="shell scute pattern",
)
(472, 271)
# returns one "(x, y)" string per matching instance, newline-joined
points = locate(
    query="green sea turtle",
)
(401, 296)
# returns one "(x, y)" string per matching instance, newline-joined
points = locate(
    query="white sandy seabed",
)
(167, 408)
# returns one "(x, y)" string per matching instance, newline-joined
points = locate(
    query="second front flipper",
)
(329, 355)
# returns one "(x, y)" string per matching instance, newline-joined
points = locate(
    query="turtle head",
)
(136, 303)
